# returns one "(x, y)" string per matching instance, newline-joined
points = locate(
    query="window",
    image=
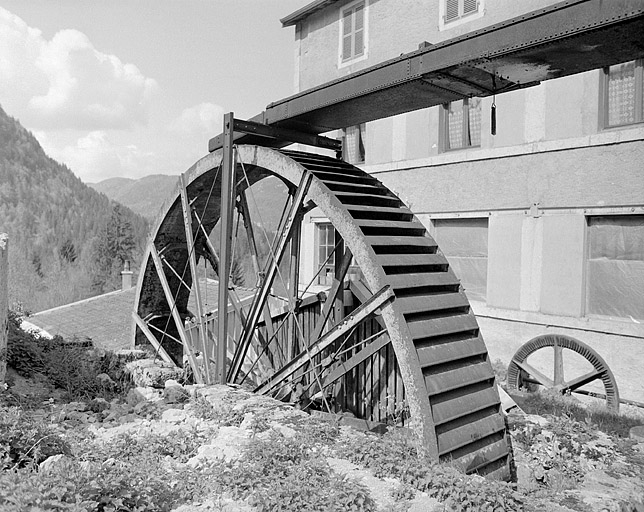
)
(623, 94)
(464, 243)
(353, 33)
(325, 242)
(615, 266)
(456, 9)
(353, 147)
(461, 124)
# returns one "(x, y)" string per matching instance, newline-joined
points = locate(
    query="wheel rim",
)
(448, 382)
(521, 371)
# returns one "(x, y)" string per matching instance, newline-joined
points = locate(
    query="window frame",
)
(587, 313)
(360, 142)
(639, 97)
(463, 17)
(444, 127)
(365, 33)
(319, 226)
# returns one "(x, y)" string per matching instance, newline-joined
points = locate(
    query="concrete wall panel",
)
(504, 261)
(563, 264)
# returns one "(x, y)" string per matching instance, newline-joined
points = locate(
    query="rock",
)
(174, 416)
(637, 433)
(175, 394)
(76, 406)
(171, 382)
(152, 373)
(53, 464)
(105, 381)
(130, 355)
(98, 405)
(228, 445)
(143, 394)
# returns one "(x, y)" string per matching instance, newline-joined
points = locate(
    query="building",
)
(539, 207)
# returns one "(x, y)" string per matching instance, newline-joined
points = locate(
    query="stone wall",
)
(4, 265)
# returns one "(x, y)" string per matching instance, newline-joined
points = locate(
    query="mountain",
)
(144, 196)
(147, 195)
(66, 240)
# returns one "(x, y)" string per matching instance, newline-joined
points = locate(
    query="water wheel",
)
(407, 333)
(522, 372)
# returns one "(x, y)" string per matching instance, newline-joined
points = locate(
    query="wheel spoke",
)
(581, 381)
(192, 258)
(175, 312)
(558, 369)
(543, 380)
(262, 296)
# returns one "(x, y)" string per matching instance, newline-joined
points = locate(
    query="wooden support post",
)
(226, 236)
(339, 272)
(4, 304)
(192, 258)
(293, 297)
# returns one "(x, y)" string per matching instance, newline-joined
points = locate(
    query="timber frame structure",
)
(395, 324)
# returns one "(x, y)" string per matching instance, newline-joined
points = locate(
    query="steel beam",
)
(563, 39)
(226, 236)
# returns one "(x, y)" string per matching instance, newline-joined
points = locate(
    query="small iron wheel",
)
(521, 372)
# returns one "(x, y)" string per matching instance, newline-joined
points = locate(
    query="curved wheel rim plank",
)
(520, 370)
(448, 381)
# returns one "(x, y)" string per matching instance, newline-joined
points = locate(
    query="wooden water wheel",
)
(522, 372)
(406, 335)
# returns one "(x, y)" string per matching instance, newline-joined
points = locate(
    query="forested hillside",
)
(144, 196)
(67, 241)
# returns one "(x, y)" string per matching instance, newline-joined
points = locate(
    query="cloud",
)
(96, 157)
(205, 120)
(66, 82)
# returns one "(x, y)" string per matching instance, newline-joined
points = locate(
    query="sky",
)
(128, 88)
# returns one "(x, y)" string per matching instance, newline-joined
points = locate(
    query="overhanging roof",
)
(564, 39)
(305, 11)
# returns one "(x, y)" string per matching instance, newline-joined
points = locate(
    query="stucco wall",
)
(394, 27)
(584, 177)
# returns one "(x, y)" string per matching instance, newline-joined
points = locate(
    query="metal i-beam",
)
(226, 236)
(563, 39)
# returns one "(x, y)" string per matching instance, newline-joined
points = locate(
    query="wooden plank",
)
(400, 260)
(442, 382)
(462, 405)
(426, 303)
(363, 311)
(418, 280)
(441, 353)
(356, 359)
(424, 243)
(469, 433)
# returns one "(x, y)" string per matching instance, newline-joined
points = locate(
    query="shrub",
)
(25, 442)
(283, 474)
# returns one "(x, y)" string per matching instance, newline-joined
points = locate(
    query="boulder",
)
(175, 394)
(152, 373)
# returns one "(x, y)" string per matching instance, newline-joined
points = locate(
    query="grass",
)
(554, 404)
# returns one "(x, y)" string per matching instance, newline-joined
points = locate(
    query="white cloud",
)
(96, 157)
(66, 82)
(205, 120)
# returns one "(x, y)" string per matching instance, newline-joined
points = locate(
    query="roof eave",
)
(304, 12)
